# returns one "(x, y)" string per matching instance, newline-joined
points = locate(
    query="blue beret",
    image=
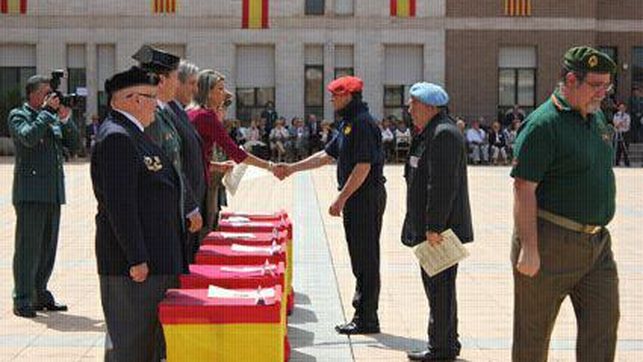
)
(429, 94)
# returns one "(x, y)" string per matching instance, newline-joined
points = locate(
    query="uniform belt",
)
(568, 223)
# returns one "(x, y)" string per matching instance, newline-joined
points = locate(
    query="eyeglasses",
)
(607, 87)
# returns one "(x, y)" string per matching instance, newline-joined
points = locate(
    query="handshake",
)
(282, 170)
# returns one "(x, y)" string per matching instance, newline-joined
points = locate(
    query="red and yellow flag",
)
(164, 6)
(403, 8)
(255, 14)
(517, 7)
(13, 6)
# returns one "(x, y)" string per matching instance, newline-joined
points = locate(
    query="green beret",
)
(588, 59)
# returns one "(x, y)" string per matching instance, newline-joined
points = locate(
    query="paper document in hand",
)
(435, 259)
(232, 178)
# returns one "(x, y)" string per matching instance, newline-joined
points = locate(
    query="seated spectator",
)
(253, 139)
(478, 145)
(402, 135)
(278, 140)
(514, 113)
(327, 132)
(511, 134)
(497, 144)
(461, 126)
(299, 136)
(388, 139)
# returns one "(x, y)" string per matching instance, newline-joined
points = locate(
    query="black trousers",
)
(362, 226)
(443, 312)
(622, 147)
(36, 242)
(131, 317)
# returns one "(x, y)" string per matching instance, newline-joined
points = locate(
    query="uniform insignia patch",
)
(153, 163)
(592, 61)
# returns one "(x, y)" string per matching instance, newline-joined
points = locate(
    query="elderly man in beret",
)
(357, 147)
(437, 200)
(138, 225)
(564, 197)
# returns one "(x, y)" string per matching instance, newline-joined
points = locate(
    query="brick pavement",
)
(484, 283)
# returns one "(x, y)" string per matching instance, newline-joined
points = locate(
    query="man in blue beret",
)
(437, 200)
(564, 198)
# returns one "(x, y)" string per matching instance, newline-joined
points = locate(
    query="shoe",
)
(51, 307)
(357, 328)
(427, 355)
(24, 312)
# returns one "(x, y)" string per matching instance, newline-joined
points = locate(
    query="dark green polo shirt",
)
(571, 160)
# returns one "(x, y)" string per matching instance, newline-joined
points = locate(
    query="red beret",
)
(344, 85)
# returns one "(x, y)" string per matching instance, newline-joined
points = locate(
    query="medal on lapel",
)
(153, 163)
(347, 129)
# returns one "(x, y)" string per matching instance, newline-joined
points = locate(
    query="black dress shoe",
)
(358, 328)
(52, 307)
(427, 355)
(24, 312)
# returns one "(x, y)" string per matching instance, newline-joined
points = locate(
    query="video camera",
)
(70, 100)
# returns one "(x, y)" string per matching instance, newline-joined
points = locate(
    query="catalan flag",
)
(13, 6)
(517, 7)
(164, 6)
(255, 14)
(403, 8)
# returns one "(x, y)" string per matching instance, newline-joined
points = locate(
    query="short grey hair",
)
(186, 70)
(208, 79)
(34, 82)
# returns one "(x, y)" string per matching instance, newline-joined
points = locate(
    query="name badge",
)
(413, 161)
(153, 163)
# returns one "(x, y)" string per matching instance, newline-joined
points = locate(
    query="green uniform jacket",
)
(39, 137)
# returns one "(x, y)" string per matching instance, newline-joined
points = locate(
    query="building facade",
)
(490, 54)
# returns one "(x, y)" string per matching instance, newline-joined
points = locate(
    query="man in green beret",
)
(564, 197)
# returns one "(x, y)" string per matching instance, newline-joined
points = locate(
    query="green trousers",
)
(36, 241)
(573, 264)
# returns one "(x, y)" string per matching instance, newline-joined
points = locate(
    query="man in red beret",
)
(357, 147)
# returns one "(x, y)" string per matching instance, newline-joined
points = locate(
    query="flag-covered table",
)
(223, 329)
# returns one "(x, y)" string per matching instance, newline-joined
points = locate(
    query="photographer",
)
(40, 129)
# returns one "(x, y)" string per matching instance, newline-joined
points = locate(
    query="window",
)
(252, 101)
(314, 91)
(106, 60)
(315, 7)
(344, 7)
(637, 67)
(343, 61)
(395, 101)
(12, 91)
(516, 78)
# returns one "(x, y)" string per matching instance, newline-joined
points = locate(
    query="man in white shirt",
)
(622, 125)
(477, 141)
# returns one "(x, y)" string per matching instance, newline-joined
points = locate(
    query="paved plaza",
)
(323, 279)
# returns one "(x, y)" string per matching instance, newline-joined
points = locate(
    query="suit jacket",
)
(39, 138)
(191, 155)
(138, 193)
(436, 176)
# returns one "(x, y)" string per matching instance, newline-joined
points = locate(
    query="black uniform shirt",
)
(359, 140)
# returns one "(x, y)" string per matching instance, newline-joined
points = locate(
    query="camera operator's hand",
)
(64, 113)
(51, 102)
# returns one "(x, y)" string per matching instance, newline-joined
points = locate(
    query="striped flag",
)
(255, 14)
(403, 8)
(164, 6)
(13, 6)
(517, 7)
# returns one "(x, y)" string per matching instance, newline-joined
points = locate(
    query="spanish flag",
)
(403, 8)
(255, 14)
(517, 7)
(13, 6)
(164, 6)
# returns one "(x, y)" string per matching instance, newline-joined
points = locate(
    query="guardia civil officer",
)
(564, 197)
(165, 130)
(362, 198)
(138, 225)
(437, 199)
(40, 129)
